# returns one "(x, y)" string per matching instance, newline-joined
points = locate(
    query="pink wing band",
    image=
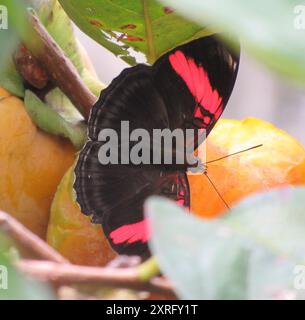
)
(131, 233)
(198, 83)
(134, 232)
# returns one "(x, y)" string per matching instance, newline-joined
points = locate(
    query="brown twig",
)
(73, 274)
(59, 68)
(28, 239)
(60, 272)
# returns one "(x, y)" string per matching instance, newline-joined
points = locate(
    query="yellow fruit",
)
(4, 94)
(32, 164)
(72, 234)
(280, 161)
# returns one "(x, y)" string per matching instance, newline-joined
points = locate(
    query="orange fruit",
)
(72, 234)
(280, 161)
(32, 164)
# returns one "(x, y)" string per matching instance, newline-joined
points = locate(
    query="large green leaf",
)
(144, 25)
(251, 253)
(273, 30)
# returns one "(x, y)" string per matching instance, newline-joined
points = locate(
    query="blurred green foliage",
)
(273, 31)
(14, 285)
(250, 253)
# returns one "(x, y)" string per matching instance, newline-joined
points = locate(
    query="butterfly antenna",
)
(220, 196)
(233, 154)
(218, 159)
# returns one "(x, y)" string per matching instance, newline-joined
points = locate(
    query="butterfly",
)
(186, 88)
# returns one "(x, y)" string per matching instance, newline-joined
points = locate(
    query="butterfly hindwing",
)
(130, 233)
(114, 196)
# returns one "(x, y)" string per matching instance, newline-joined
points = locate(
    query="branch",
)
(28, 239)
(59, 271)
(61, 274)
(59, 68)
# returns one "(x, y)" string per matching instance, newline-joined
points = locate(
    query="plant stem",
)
(61, 274)
(28, 240)
(59, 68)
(59, 271)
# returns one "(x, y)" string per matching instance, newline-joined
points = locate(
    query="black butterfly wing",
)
(130, 97)
(195, 81)
(114, 195)
(162, 96)
(187, 88)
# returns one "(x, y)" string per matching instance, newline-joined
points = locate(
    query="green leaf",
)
(92, 82)
(60, 103)
(11, 80)
(12, 12)
(55, 23)
(12, 18)
(50, 121)
(251, 253)
(55, 20)
(268, 29)
(44, 9)
(144, 25)
(15, 286)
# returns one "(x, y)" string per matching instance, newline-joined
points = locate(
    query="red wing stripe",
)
(131, 233)
(196, 80)
(180, 65)
(180, 202)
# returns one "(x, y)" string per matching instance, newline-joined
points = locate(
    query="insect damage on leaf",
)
(133, 38)
(168, 10)
(128, 26)
(153, 28)
(96, 23)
